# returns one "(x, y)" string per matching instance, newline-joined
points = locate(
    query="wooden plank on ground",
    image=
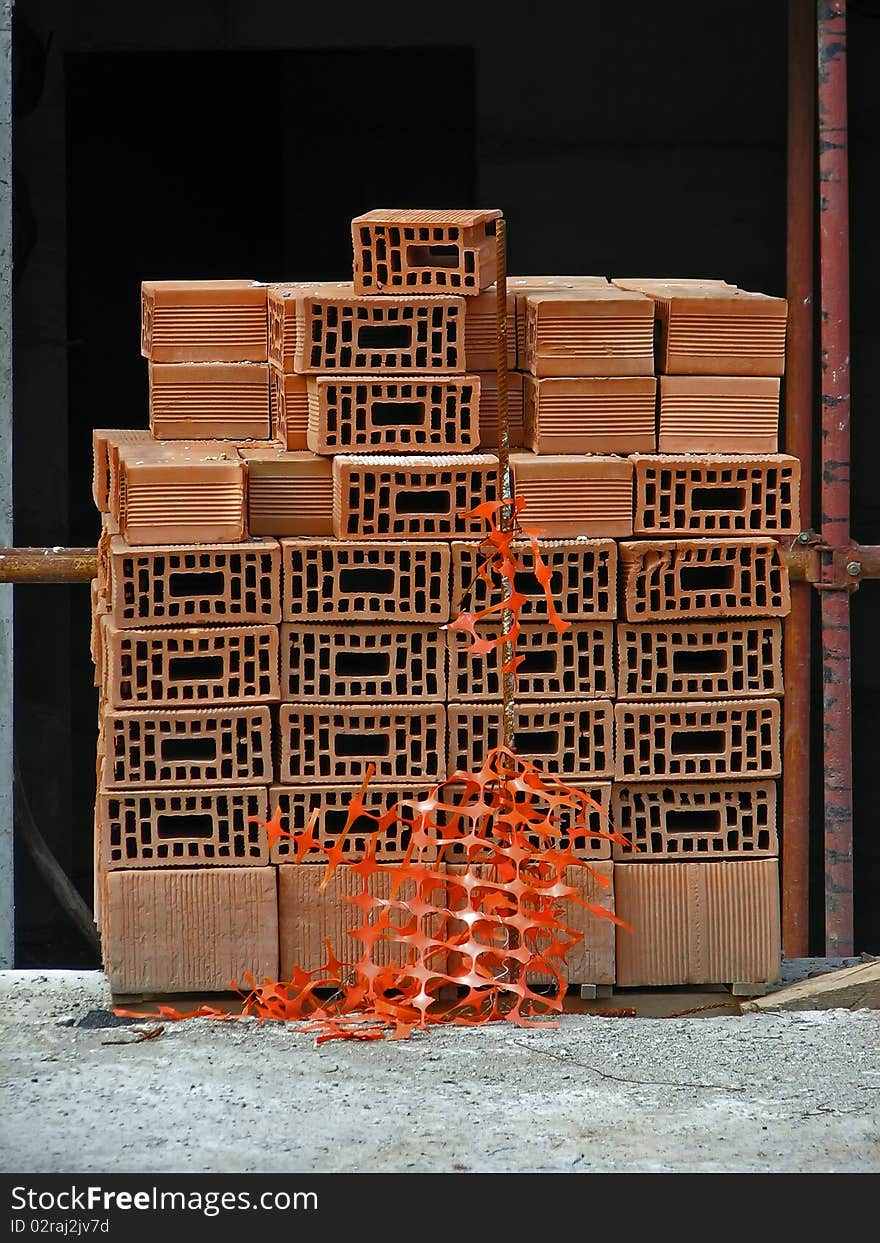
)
(852, 988)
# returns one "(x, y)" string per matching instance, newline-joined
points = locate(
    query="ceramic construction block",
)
(587, 415)
(200, 584)
(699, 660)
(180, 493)
(210, 401)
(347, 663)
(282, 303)
(393, 414)
(288, 493)
(187, 746)
(566, 739)
(718, 414)
(410, 497)
(736, 577)
(183, 828)
(333, 744)
(481, 331)
(289, 405)
(190, 930)
(698, 923)
(489, 432)
(575, 494)
(575, 664)
(521, 286)
(721, 494)
(183, 668)
(691, 739)
(298, 804)
(553, 827)
(411, 251)
(695, 820)
(203, 321)
(105, 461)
(600, 331)
(583, 582)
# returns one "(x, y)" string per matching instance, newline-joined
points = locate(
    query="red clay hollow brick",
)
(588, 415)
(691, 820)
(489, 431)
(210, 401)
(671, 579)
(690, 740)
(181, 493)
(718, 414)
(288, 493)
(202, 584)
(282, 318)
(575, 494)
(333, 744)
(574, 829)
(203, 321)
(409, 497)
(576, 664)
(393, 414)
(299, 803)
(184, 668)
(183, 828)
(104, 441)
(187, 747)
(346, 663)
(699, 660)
(599, 331)
(421, 251)
(481, 331)
(522, 286)
(343, 580)
(567, 739)
(289, 409)
(722, 494)
(583, 582)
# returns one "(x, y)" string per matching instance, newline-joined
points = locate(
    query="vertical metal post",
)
(7, 940)
(834, 283)
(505, 483)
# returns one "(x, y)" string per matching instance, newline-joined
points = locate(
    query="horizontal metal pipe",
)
(48, 565)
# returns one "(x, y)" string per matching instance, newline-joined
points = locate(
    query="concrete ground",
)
(759, 1092)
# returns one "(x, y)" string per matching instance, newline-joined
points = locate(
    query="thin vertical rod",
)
(505, 483)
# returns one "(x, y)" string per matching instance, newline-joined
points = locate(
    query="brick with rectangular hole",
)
(330, 804)
(577, 663)
(187, 746)
(699, 660)
(410, 497)
(187, 493)
(346, 663)
(481, 331)
(695, 820)
(105, 444)
(289, 406)
(575, 494)
(183, 667)
(614, 414)
(200, 584)
(574, 830)
(412, 250)
(393, 414)
(283, 329)
(183, 827)
(203, 321)
(489, 432)
(596, 331)
(583, 582)
(718, 414)
(718, 494)
(566, 739)
(335, 744)
(210, 401)
(288, 493)
(679, 579)
(346, 580)
(690, 740)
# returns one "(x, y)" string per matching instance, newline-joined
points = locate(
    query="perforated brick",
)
(596, 331)
(414, 250)
(736, 577)
(187, 746)
(718, 414)
(289, 405)
(489, 430)
(716, 495)
(282, 318)
(588, 415)
(336, 743)
(696, 820)
(297, 804)
(152, 828)
(178, 667)
(567, 739)
(201, 584)
(393, 414)
(575, 664)
(288, 493)
(412, 497)
(342, 580)
(699, 660)
(105, 441)
(481, 331)
(180, 493)
(583, 582)
(347, 663)
(691, 739)
(203, 321)
(575, 829)
(575, 494)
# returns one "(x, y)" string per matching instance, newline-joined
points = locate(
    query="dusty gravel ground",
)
(762, 1092)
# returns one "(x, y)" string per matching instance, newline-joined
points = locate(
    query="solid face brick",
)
(574, 830)
(575, 664)
(180, 493)
(481, 331)
(209, 401)
(289, 405)
(521, 286)
(342, 580)
(335, 744)
(691, 740)
(597, 331)
(182, 828)
(587, 415)
(703, 578)
(185, 747)
(393, 414)
(105, 462)
(583, 582)
(567, 739)
(575, 494)
(699, 660)
(412, 497)
(203, 321)
(298, 804)
(718, 414)
(695, 820)
(489, 427)
(717, 495)
(347, 663)
(412, 250)
(288, 493)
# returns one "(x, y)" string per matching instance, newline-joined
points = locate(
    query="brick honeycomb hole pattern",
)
(318, 816)
(385, 414)
(703, 578)
(577, 663)
(340, 663)
(429, 251)
(695, 820)
(694, 739)
(718, 495)
(184, 827)
(180, 747)
(339, 744)
(693, 660)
